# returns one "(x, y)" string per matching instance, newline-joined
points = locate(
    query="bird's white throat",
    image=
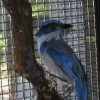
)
(48, 37)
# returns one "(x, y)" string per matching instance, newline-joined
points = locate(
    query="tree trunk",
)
(24, 57)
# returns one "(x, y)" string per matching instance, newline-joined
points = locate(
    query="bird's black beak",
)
(65, 26)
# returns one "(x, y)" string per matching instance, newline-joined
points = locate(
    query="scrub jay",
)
(59, 57)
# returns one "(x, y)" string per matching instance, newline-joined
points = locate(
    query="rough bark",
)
(24, 56)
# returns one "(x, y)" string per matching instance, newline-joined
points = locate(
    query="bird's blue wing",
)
(65, 59)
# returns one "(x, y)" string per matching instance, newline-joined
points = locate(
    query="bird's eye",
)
(53, 27)
(49, 28)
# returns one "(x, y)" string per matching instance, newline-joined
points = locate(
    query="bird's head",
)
(52, 26)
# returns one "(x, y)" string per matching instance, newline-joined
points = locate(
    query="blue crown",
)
(50, 26)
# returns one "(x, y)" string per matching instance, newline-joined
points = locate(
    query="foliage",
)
(2, 59)
(90, 39)
(40, 9)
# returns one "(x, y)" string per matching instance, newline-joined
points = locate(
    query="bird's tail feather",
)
(81, 89)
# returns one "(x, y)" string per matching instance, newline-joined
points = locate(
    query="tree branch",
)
(24, 56)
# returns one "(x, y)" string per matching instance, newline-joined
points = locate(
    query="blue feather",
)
(61, 55)
(65, 58)
(81, 89)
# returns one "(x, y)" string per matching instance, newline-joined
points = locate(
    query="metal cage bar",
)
(84, 16)
(97, 14)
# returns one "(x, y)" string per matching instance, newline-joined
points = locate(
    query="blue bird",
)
(59, 57)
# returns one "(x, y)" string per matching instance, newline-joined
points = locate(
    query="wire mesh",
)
(82, 39)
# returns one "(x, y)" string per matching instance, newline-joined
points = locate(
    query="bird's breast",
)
(51, 66)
